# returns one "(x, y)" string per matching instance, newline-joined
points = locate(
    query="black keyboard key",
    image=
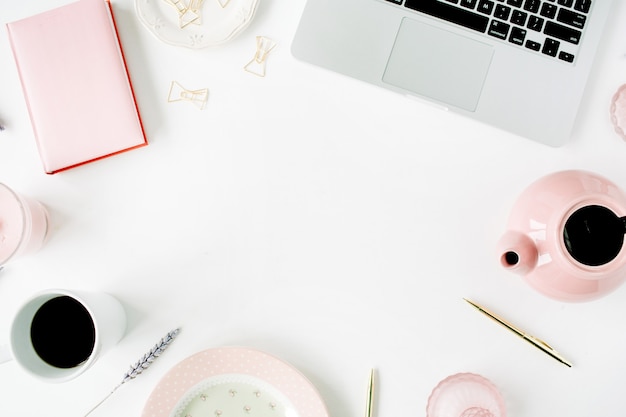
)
(502, 12)
(563, 32)
(450, 13)
(453, 1)
(485, 6)
(567, 57)
(518, 35)
(470, 4)
(551, 47)
(535, 23)
(515, 3)
(535, 46)
(519, 18)
(395, 1)
(532, 6)
(572, 18)
(499, 29)
(566, 3)
(583, 5)
(548, 10)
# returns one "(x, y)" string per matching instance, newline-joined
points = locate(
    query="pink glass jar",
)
(465, 395)
(23, 225)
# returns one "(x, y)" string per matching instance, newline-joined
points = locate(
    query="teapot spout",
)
(518, 252)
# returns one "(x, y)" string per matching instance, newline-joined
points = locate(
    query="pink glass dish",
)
(465, 395)
(618, 111)
(23, 225)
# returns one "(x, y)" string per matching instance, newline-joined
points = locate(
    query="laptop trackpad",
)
(438, 64)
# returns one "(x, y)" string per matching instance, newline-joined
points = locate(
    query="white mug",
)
(57, 334)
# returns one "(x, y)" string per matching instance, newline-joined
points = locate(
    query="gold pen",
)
(369, 406)
(538, 343)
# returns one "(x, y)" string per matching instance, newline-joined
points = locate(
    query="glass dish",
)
(465, 395)
(618, 111)
(210, 24)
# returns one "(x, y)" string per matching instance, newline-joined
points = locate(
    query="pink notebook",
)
(76, 85)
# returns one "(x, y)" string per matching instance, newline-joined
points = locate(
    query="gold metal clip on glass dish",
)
(186, 15)
(538, 343)
(198, 98)
(196, 7)
(263, 47)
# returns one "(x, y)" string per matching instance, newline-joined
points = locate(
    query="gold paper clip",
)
(263, 47)
(223, 3)
(196, 7)
(198, 98)
(538, 343)
(186, 15)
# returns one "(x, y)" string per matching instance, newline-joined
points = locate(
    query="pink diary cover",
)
(76, 85)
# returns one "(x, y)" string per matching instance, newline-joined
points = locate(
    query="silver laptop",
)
(519, 65)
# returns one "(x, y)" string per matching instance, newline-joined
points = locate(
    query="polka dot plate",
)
(234, 382)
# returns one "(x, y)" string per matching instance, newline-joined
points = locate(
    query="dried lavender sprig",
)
(150, 357)
(143, 363)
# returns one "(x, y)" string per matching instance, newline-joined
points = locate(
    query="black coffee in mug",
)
(62, 332)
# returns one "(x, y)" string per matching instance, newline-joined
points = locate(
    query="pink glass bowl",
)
(23, 224)
(618, 111)
(465, 395)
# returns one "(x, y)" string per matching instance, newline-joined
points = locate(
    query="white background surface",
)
(314, 217)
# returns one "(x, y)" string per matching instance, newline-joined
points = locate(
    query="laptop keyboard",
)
(553, 28)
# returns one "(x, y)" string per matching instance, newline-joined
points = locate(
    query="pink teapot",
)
(566, 236)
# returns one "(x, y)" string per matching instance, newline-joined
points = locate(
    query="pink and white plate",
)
(234, 382)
